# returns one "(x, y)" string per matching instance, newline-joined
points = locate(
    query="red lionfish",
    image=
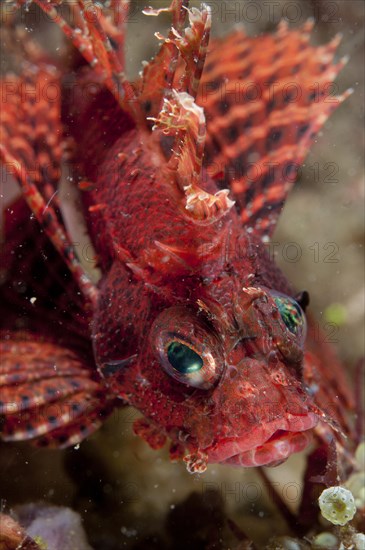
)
(191, 321)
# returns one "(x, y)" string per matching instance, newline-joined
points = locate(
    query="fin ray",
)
(64, 397)
(33, 154)
(265, 99)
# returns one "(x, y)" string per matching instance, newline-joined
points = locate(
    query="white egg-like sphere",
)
(337, 505)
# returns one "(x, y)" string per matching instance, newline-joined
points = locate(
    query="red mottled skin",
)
(259, 390)
(195, 417)
(189, 271)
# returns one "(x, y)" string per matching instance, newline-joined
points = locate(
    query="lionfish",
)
(183, 174)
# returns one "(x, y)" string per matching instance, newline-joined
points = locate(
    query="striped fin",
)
(31, 133)
(37, 291)
(265, 99)
(49, 394)
(30, 125)
(99, 37)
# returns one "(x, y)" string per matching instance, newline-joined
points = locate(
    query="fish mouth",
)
(268, 447)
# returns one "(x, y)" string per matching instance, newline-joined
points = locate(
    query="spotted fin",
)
(49, 394)
(265, 99)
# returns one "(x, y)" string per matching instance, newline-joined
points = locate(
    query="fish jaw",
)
(266, 446)
(261, 415)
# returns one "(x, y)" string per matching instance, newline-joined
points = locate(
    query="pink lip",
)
(268, 444)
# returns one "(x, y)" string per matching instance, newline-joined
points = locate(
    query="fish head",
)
(220, 379)
(249, 406)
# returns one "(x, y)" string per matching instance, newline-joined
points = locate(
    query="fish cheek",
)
(118, 326)
(292, 356)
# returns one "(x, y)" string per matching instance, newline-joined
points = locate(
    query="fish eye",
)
(190, 366)
(182, 358)
(292, 315)
(186, 349)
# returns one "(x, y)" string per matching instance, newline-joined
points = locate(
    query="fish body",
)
(191, 321)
